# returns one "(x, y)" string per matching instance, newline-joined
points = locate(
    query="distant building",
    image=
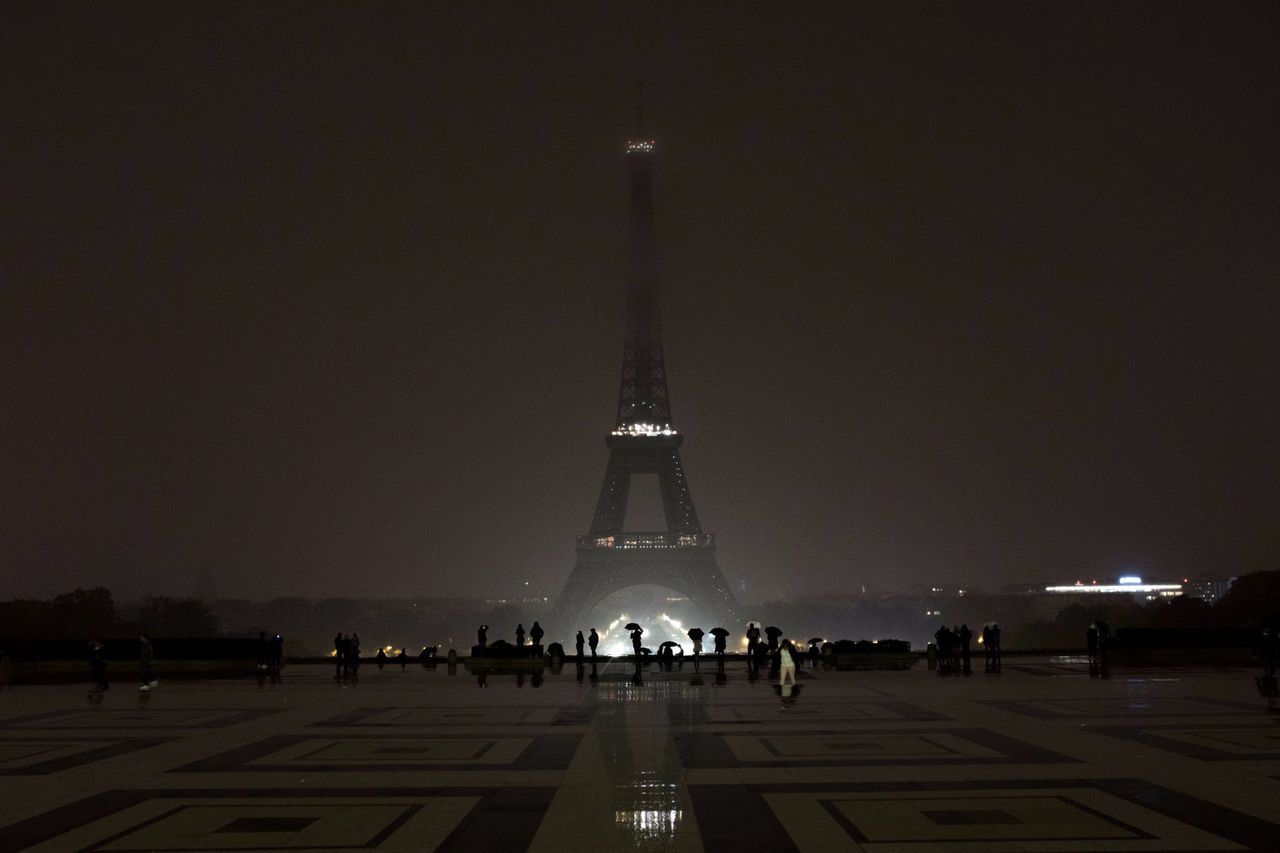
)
(1208, 589)
(1126, 585)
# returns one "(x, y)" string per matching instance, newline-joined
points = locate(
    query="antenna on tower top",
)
(639, 108)
(639, 144)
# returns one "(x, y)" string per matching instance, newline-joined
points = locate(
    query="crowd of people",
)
(953, 648)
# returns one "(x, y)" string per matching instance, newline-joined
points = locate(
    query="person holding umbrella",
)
(720, 634)
(815, 650)
(636, 632)
(695, 634)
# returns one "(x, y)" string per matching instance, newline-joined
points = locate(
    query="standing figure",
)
(786, 663)
(995, 648)
(354, 650)
(635, 643)
(520, 634)
(1091, 644)
(578, 642)
(943, 638)
(146, 654)
(753, 638)
(593, 641)
(536, 633)
(403, 658)
(965, 636)
(275, 654)
(381, 658)
(720, 642)
(482, 636)
(337, 655)
(98, 666)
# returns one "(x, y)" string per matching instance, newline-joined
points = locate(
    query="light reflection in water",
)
(655, 814)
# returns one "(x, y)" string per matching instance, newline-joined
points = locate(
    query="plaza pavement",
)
(1037, 758)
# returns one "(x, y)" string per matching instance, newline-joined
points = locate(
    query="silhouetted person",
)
(337, 655)
(535, 634)
(1104, 641)
(720, 640)
(965, 636)
(146, 656)
(773, 634)
(1091, 643)
(943, 638)
(403, 658)
(275, 654)
(753, 639)
(262, 650)
(354, 650)
(98, 666)
(520, 634)
(635, 643)
(381, 658)
(593, 641)
(578, 642)
(482, 636)
(427, 656)
(1270, 649)
(995, 647)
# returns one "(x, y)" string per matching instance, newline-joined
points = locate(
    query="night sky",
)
(327, 298)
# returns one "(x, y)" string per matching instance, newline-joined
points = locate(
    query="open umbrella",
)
(719, 632)
(695, 634)
(672, 644)
(816, 641)
(773, 631)
(631, 626)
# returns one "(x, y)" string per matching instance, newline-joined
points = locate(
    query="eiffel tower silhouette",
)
(610, 558)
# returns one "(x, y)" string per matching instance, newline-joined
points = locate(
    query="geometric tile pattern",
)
(454, 716)
(1169, 706)
(1206, 743)
(225, 820)
(30, 756)
(1037, 758)
(911, 747)
(1110, 815)
(158, 718)
(870, 712)
(381, 752)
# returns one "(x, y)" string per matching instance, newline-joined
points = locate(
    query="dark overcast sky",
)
(327, 298)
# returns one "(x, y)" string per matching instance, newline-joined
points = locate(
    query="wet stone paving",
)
(1039, 757)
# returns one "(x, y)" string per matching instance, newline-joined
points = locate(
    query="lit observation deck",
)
(647, 541)
(644, 429)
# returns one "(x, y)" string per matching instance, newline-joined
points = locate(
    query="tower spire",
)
(643, 405)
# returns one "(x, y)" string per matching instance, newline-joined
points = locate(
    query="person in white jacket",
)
(787, 662)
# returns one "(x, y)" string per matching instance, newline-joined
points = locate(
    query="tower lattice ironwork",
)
(644, 441)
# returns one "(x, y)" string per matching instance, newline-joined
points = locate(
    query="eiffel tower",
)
(643, 441)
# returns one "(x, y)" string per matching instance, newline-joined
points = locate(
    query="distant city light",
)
(642, 145)
(1167, 590)
(1128, 579)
